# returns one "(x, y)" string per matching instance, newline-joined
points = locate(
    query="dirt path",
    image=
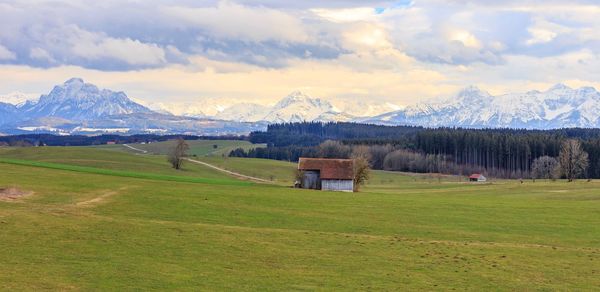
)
(135, 149)
(239, 175)
(100, 198)
(12, 194)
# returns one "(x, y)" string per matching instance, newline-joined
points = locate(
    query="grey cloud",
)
(115, 35)
(127, 35)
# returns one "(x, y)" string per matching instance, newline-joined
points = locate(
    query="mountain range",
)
(557, 107)
(77, 107)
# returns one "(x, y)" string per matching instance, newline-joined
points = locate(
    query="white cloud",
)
(41, 54)
(229, 20)
(464, 37)
(543, 31)
(95, 46)
(264, 49)
(346, 15)
(6, 54)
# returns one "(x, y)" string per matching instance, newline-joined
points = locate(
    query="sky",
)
(401, 52)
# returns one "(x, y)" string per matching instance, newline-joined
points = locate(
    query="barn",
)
(477, 177)
(327, 174)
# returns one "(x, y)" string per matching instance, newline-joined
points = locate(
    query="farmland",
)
(197, 147)
(107, 219)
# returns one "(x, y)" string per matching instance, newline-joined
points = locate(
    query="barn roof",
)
(476, 175)
(329, 168)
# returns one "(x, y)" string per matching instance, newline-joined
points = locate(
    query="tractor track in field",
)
(136, 149)
(232, 173)
(100, 198)
(236, 174)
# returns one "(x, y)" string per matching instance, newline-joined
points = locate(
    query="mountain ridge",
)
(558, 107)
(76, 105)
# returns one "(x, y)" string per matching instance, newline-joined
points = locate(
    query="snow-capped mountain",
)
(207, 107)
(296, 107)
(247, 112)
(79, 101)
(17, 99)
(362, 108)
(557, 107)
(76, 107)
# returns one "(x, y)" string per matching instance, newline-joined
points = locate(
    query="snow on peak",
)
(298, 97)
(558, 107)
(78, 100)
(17, 99)
(559, 86)
(472, 91)
(74, 81)
(297, 107)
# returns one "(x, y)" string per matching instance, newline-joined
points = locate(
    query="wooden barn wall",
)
(311, 180)
(337, 185)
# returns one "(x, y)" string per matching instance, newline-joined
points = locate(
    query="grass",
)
(197, 147)
(401, 233)
(276, 171)
(132, 174)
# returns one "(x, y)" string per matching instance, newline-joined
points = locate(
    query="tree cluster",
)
(505, 153)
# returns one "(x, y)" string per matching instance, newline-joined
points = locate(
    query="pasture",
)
(100, 219)
(197, 147)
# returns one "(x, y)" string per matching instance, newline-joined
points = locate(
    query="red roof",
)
(329, 168)
(475, 175)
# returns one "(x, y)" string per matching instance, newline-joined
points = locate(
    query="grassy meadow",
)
(102, 219)
(197, 147)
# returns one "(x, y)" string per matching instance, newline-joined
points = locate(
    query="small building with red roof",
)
(477, 177)
(327, 174)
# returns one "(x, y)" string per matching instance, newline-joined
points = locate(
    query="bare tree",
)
(334, 149)
(362, 170)
(545, 167)
(378, 153)
(178, 152)
(573, 160)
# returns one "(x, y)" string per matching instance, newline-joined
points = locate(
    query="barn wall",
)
(337, 185)
(311, 180)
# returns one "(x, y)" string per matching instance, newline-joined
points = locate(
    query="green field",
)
(197, 147)
(100, 219)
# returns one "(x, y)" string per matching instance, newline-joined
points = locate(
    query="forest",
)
(508, 153)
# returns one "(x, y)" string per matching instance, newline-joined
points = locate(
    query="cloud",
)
(95, 46)
(349, 48)
(6, 54)
(233, 21)
(347, 15)
(41, 54)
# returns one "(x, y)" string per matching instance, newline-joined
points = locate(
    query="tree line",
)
(508, 153)
(81, 140)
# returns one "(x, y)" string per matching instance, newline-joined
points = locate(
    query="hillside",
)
(197, 147)
(107, 232)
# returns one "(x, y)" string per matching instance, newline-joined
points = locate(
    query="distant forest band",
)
(504, 153)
